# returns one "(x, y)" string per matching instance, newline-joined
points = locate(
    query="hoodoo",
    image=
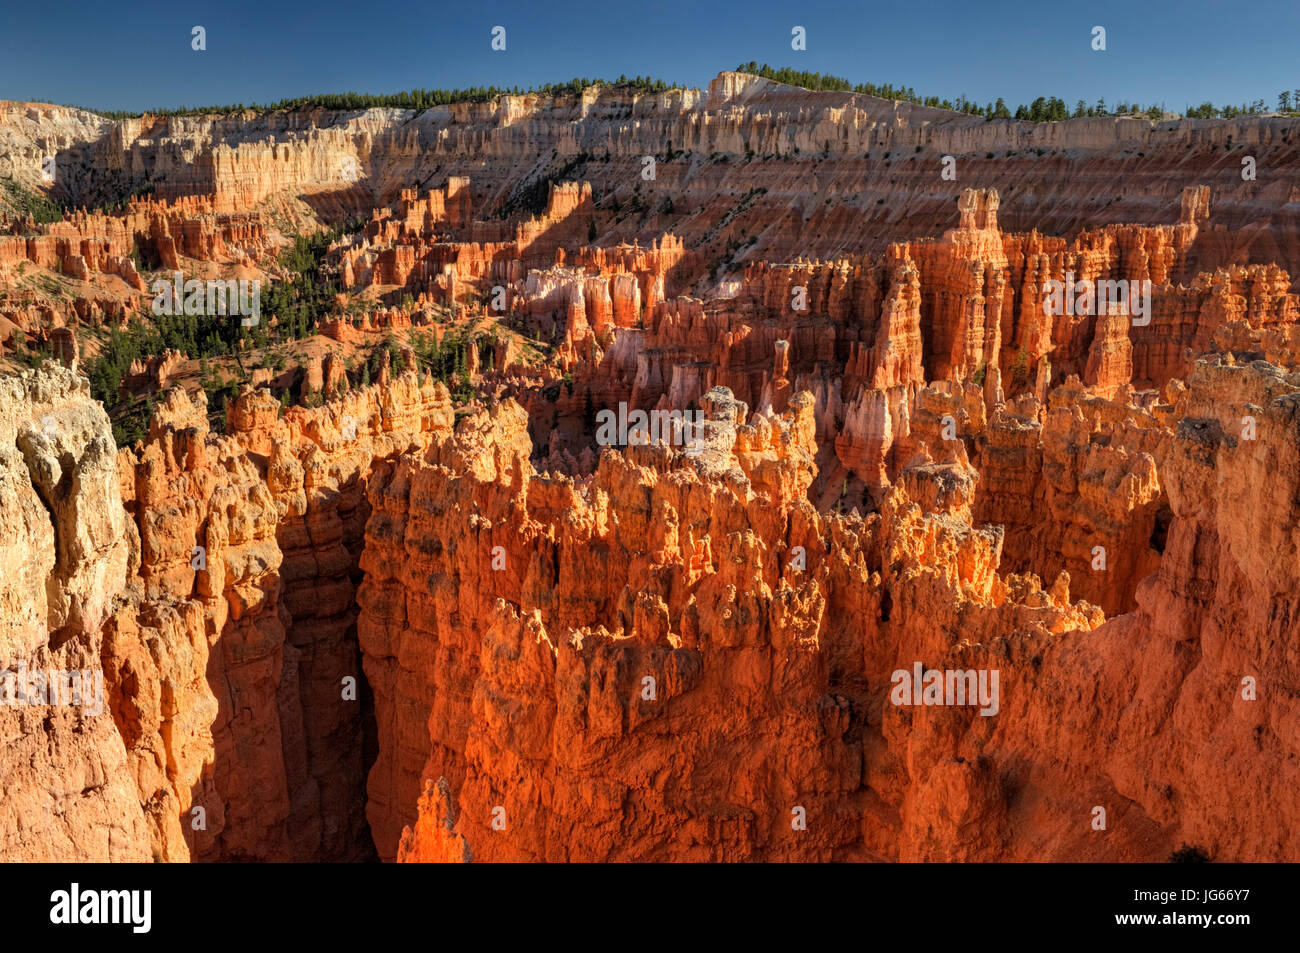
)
(520, 500)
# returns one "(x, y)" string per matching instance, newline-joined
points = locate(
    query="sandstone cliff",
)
(746, 159)
(418, 627)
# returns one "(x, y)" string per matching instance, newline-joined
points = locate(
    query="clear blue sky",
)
(138, 55)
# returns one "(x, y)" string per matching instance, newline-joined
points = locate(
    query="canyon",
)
(415, 617)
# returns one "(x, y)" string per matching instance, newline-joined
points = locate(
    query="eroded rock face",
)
(68, 548)
(663, 660)
(389, 627)
(879, 150)
(656, 616)
(771, 687)
(207, 581)
(250, 543)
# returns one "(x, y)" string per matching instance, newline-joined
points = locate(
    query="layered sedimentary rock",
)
(254, 538)
(68, 549)
(210, 580)
(99, 242)
(400, 626)
(714, 149)
(979, 307)
(547, 647)
(771, 687)
(730, 630)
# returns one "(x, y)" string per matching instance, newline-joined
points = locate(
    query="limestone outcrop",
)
(68, 550)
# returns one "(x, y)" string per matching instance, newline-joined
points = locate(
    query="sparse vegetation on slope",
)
(417, 99)
(1042, 109)
(28, 202)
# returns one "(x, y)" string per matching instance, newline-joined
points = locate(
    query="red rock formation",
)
(500, 640)
(581, 719)
(152, 374)
(102, 242)
(68, 550)
(274, 756)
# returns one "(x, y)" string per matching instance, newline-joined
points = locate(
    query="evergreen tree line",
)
(416, 99)
(1042, 109)
(299, 302)
(447, 362)
(26, 202)
(195, 336)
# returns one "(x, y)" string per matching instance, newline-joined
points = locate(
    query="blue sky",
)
(136, 56)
